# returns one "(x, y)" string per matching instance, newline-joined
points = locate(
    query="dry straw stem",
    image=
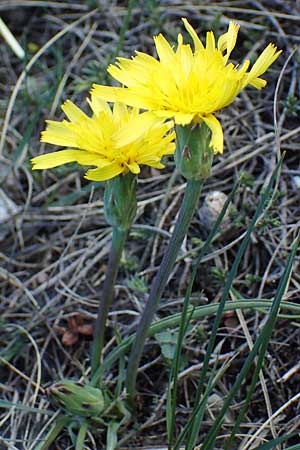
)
(27, 69)
(11, 40)
(255, 437)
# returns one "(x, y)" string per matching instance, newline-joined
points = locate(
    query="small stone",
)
(212, 206)
(7, 210)
(296, 181)
(7, 207)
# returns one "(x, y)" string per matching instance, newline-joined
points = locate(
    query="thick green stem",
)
(186, 213)
(118, 240)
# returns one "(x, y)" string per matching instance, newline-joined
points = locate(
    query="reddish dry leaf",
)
(69, 338)
(86, 329)
(74, 329)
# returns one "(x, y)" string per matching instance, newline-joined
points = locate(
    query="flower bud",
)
(77, 398)
(120, 202)
(194, 154)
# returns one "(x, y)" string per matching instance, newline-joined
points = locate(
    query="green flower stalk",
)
(193, 157)
(120, 206)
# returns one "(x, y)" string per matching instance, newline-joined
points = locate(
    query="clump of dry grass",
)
(55, 241)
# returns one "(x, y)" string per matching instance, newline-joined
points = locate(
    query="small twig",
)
(11, 40)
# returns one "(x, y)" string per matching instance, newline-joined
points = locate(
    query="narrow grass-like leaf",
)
(112, 438)
(118, 389)
(259, 348)
(53, 433)
(231, 276)
(9, 405)
(81, 436)
(174, 320)
(265, 337)
(200, 409)
(172, 391)
(186, 317)
(13, 348)
(271, 444)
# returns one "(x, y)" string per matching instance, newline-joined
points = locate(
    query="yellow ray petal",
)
(104, 173)
(127, 73)
(107, 93)
(122, 95)
(97, 105)
(56, 159)
(222, 42)
(233, 30)
(59, 133)
(210, 42)
(120, 113)
(163, 48)
(179, 40)
(186, 60)
(134, 168)
(134, 129)
(182, 118)
(258, 83)
(156, 165)
(263, 62)
(228, 40)
(197, 43)
(73, 112)
(216, 132)
(243, 69)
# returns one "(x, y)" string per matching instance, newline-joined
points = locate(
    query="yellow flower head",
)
(184, 84)
(114, 141)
